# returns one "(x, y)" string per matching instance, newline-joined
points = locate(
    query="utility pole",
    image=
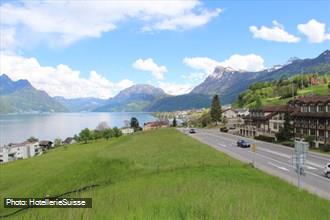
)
(302, 78)
(292, 90)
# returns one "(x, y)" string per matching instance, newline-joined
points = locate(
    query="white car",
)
(327, 170)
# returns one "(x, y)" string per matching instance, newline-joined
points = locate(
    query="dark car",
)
(224, 129)
(192, 131)
(243, 144)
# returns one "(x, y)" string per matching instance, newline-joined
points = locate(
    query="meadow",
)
(160, 174)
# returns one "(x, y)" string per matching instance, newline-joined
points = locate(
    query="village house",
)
(265, 121)
(45, 144)
(155, 124)
(312, 118)
(234, 119)
(127, 131)
(17, 151)
(69, 140)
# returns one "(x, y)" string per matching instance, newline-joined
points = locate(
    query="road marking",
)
(265, 157)
(311, 168)
(282, 168)
(267, 150)
(274, 152)
(322, 157)
(314, 164)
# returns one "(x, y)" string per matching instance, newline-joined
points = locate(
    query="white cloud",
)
(275, 33)
(150, 66)
(185, 21)
(175, 88)
(64, 22)
(201, 63)
(60, 80)
(195, 77)
(7, 38)
(249, 62)
(314, 30)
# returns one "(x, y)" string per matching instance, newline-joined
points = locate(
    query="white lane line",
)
(269, 158)
(279, 167)
(322, 157)
(315, 165)
(274, 152)
(311, 168)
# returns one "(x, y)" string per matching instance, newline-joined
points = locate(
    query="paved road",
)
(272, 158)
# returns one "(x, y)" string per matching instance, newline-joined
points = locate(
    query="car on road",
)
(192, 131)
(243, 144)
(224, 129)
(327, 170)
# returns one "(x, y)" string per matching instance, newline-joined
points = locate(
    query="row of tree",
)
(101, 131)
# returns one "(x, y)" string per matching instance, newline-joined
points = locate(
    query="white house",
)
(23, 150)
(127, 131)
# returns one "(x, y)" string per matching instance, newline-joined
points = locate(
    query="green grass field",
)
(159, 174)
(318, 90)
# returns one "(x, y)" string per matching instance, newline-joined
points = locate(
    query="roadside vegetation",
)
(280, 91)
(160, 174)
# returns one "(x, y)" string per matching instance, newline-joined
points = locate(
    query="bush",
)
(325, 147)
(287, 143)
(265, 138)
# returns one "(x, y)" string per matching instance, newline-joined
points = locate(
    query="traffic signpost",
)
(299, 158)
(253, 149)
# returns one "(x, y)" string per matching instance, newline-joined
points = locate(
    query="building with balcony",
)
(265, 121)
(312, 118)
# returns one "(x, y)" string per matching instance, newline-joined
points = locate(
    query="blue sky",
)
(105, 46)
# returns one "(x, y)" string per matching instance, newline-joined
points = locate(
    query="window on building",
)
(321, 108)
(312, 108)
(275, 125)
(305, 131)
(321, 133)
(313, 132)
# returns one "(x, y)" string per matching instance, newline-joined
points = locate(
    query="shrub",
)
(325, 147)
(265, 138)
(287, 143)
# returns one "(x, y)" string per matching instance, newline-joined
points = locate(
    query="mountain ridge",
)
(229, 84)
(20, 96)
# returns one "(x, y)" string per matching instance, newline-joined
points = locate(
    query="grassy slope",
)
(156, 175)
(318, 90)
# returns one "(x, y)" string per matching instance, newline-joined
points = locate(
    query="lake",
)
(17, 128)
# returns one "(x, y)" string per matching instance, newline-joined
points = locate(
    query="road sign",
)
(253, 147)
(299, 158)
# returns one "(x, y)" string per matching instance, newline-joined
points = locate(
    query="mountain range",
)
(21, 96)
(229, 83)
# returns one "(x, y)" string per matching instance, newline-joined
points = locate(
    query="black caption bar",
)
(48, 202)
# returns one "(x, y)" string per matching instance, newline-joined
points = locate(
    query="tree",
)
(258, 103)
(102, 126)
(57, 142)
(117, 132)
(205, 119)
(85, 135)
(32, 139)
(174, 123)
(215, 109)
(286, 132)
(96, 134)
(76, 138)
(107, 133)
(134, 123)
